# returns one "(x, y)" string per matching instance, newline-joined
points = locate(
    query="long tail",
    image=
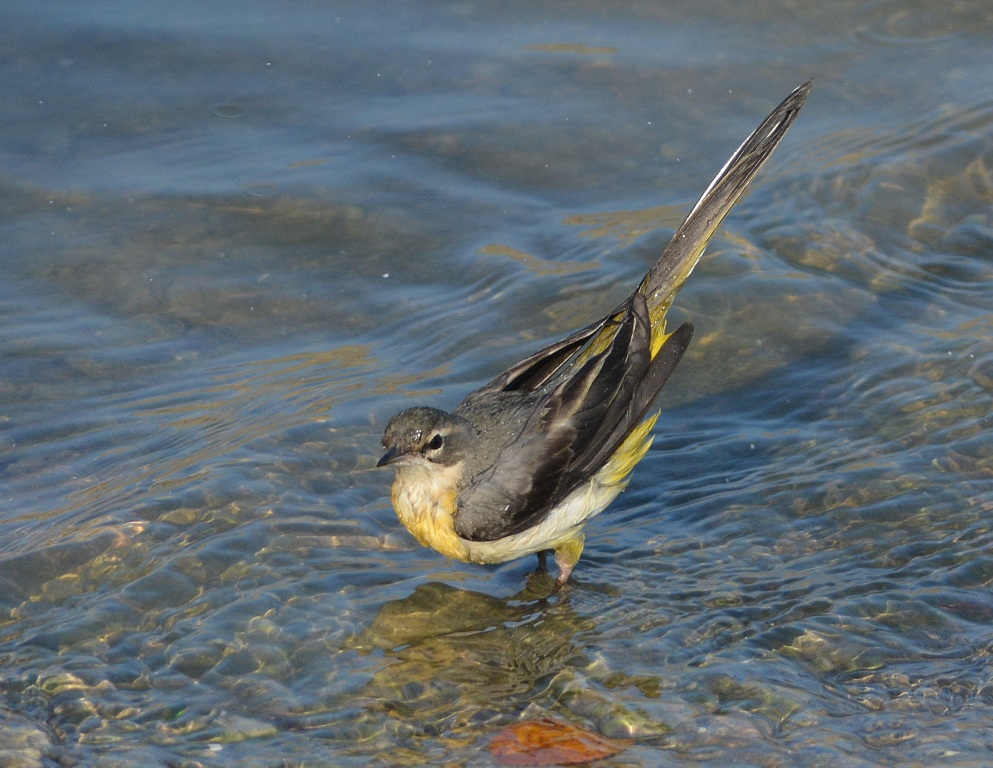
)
(664, 280)
(677, 261)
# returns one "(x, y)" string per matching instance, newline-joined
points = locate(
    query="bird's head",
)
(426, 434)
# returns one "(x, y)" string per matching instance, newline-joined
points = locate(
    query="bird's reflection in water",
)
(465, 663)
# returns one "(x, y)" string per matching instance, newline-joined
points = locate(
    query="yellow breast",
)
(424, 499)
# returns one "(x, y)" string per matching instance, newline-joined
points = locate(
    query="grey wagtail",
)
(522, 464)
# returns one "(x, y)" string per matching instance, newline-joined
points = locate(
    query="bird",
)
(522, 464)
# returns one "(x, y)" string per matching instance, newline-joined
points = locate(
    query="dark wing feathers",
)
(605, 406)
(580, 422)
(534, 370)
(502, 499)
(636, 409)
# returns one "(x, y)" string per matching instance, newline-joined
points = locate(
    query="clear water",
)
(236, 238)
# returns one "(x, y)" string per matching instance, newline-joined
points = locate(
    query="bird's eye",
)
(436, 442)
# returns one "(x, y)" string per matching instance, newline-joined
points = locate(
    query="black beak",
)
(389, 457)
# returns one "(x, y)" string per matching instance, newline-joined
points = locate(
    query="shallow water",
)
(236, 240)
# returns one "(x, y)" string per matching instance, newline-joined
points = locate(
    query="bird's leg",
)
(542, 561)
(566, 556)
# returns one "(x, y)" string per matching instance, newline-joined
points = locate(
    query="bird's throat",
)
(424, 498)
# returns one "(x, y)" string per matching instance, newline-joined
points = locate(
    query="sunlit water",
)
(235, 239)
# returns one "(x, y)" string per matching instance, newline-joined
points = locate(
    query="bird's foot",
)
(566, 556)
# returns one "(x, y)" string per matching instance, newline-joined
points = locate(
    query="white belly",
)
(563, 523)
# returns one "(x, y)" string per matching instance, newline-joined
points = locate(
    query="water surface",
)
(237, 239)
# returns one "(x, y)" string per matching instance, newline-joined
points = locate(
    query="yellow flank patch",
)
(632, 450)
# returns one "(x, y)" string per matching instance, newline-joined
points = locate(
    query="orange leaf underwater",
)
(547, 741)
